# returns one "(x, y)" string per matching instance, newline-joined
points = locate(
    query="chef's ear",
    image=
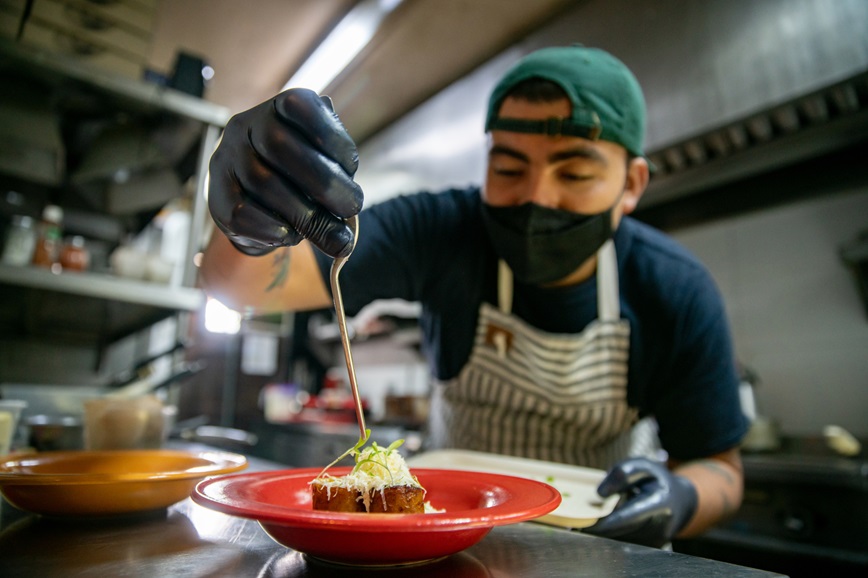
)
(638, 174)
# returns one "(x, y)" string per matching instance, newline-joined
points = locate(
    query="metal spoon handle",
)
(353, 223)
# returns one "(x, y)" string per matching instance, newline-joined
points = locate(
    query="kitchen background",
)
(757, 123)
(770, 225)
(771, 232)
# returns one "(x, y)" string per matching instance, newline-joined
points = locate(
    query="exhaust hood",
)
(807, 127)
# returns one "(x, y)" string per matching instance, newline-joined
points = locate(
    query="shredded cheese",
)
(376, 469)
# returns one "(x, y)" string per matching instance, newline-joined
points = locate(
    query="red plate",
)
(473, 502)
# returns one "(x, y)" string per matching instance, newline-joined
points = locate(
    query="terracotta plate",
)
(107, 483)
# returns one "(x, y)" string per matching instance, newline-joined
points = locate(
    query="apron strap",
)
(608, 298)
(504, 299)
(504, 287)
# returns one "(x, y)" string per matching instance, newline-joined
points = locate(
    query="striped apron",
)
(534, 394)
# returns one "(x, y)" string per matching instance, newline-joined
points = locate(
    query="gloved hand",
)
(655, 503)
(283, 171)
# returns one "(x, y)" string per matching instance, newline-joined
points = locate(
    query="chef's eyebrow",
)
(507, 151)
(564, 155)
(588, 153)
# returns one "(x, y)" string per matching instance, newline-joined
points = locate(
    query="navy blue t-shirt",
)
(433, 249)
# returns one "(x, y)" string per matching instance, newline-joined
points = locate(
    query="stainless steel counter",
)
(192, 541)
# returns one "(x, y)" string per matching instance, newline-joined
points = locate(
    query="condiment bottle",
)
(20, 241)
(48, 244)
(74, 256)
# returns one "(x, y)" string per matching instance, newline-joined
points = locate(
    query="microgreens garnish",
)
(378, 454)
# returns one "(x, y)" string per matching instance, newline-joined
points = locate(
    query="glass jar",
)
(20, 241)
(48, 244)
(74, 256)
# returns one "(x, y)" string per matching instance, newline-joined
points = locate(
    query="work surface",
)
(192, 541)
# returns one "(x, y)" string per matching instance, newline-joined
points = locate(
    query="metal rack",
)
(103, 286)
(92, 310)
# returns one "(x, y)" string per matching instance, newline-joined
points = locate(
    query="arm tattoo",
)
(716, 468)
(728, 507)
(280, 266)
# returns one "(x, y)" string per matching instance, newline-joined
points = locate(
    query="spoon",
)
(337, 265)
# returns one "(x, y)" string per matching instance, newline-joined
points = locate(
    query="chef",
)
(556, 326)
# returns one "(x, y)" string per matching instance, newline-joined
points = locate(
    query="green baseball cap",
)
(607, 101)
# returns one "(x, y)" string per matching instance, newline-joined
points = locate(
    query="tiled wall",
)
(796, 315)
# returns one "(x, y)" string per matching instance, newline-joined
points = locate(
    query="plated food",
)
(377, 513)
(473, 503)
(380, 482)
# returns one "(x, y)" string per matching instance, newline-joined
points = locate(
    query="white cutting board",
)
(580, 507)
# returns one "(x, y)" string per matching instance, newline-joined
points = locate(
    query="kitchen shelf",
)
(104, 287)
(102, 147)
(128, 94)
(87, 309)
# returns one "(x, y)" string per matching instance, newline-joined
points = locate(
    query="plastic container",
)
(115, 423)
(129, 263)
(10, 411)
(20, 241)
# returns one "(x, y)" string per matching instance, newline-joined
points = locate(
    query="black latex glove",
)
(655, 503)
(283, 171)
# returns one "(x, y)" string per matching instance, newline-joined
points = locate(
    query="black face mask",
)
(543, 245)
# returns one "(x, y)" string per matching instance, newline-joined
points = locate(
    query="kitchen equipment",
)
(68, 400)
(474, 503)
(143, 368)
(86, 483)
(10, 412)
(337, 265)
(803, 513)
(763, 435)
(52, 433)
(146, 385)
(112, 423)
(124, 414)
(20, 241)
(841, 441)
(219, 436)
(48, 399)
(764, 432)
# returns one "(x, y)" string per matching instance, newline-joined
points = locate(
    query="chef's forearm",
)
(283, 280)
(719, 483)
